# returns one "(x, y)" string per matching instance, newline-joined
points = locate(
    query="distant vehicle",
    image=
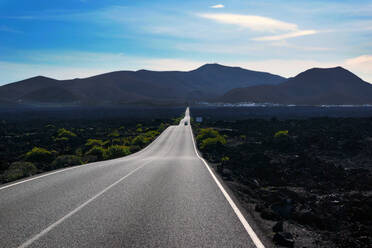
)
(185, 123)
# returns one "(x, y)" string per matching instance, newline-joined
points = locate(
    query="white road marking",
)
(37, 177)
(241, 217)
(50, 227)
(79, 166)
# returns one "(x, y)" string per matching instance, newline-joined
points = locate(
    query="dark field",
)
(280, 112)
(308, 181)
(39, 140)
(304, 170)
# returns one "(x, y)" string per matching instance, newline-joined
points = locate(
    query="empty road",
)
(162, 196)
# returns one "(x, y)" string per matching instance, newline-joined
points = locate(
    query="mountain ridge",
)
(125, 87)
(314, 86)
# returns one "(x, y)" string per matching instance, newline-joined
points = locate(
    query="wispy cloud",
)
(285, 36)
(261, 24)
(362, 64)
(255, 23)
(218, 6)
(363, 59)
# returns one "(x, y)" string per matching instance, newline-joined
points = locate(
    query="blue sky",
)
(79, 38)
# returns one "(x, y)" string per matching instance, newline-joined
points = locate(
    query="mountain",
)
(313, 87)
(143, 86)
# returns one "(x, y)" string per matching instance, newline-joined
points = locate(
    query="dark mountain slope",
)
(206, 82)
(314, 87)
(223, 78)
(14, 91)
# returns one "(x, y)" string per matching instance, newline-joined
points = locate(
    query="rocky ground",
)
(308, 182)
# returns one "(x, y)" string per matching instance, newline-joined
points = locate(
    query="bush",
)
(151, 134)
(114, 133)
(116, 151)
(39, 155)
(134, 148)
(209, 139)
(282, 133)
(18, 170)
(162, 127)
(65, 161)
(225, 159)
(212, 143)
(94, 142)
(65, 133)
(205, 133)
(140, 140)
(96, 151)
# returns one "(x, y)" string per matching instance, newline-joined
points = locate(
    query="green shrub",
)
(205, 133)
(62, 139)
(114, 133)
(116, 141)
(96, 151)
(65, 133)
(65, 161)
(162, 127)
(39, 155)
(18, 170)
(141, 140)
(116, 151)
(151, 134)
(94, 142)
(212, 143)
(209, 139)
(281, 133)
(134, 148)
(225, 159)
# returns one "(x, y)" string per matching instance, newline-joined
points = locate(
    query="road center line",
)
(241, 217)
(55, 224)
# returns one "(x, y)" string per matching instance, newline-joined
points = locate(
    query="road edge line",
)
(79, 166)
(238, 213)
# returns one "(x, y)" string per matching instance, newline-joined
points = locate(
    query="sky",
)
(66, 39)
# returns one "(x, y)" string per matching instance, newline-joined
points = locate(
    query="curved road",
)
(162, 196)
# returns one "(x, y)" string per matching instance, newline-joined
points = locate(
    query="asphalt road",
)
(162, 196)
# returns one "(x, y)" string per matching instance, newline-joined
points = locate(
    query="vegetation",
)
(40, 156)
(281, 134)
(34, 146)
(116, 151)
(65, 161)
(210, 140)
(312, 173)
(18, 170)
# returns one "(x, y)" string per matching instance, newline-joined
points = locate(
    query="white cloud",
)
(255, 23)
(286, 36)
(364, 60)
(362, 64)
(218, 6)
(261, 24)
